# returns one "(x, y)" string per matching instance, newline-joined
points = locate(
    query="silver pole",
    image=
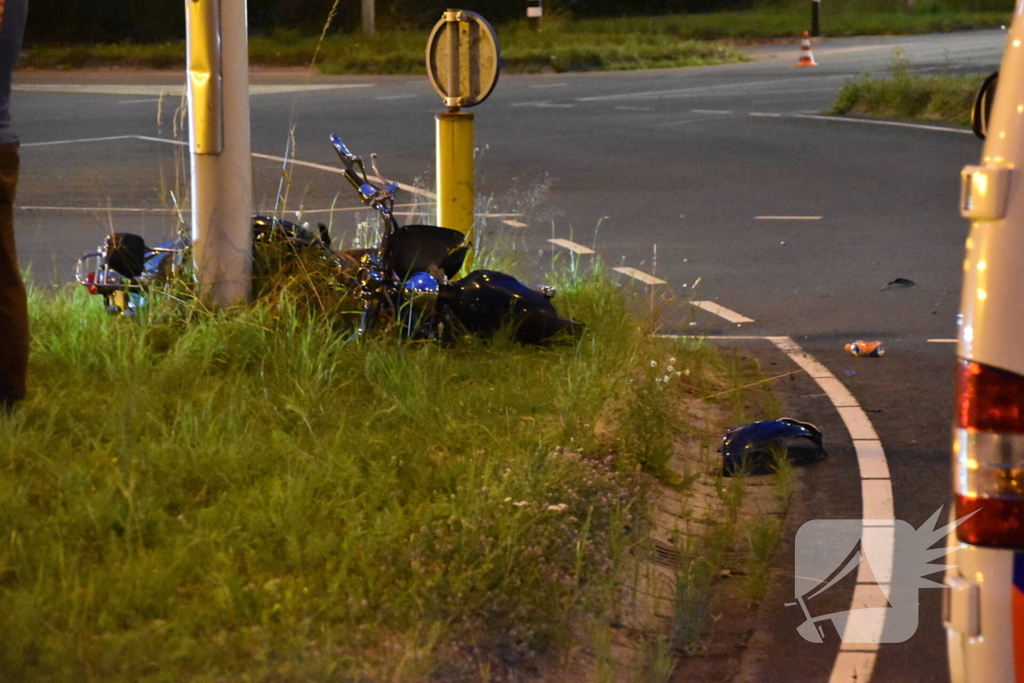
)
(369, 22)
(218, 105)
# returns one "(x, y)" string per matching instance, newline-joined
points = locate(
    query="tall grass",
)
(905, 95)
(257, 494)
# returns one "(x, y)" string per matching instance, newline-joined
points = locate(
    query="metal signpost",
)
(463, 61)
(218, 108)
(534, 11)
(369, 20)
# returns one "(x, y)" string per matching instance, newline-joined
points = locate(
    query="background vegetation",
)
(909, 96)
(564, 44)
(151, 21)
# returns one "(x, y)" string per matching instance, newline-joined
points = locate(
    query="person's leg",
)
(13, 308)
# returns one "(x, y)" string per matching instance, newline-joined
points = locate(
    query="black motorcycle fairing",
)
(485, 300)
(415, 248)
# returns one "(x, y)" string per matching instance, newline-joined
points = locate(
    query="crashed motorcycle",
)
(407, 283)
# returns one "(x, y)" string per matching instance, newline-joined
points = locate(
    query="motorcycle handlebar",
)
(348, 158)
(370, 193)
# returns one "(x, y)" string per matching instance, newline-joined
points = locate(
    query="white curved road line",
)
(873, 122)
(856, 661)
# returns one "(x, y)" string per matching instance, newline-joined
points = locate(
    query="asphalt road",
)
(726, 175)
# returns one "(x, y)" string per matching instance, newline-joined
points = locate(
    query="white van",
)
(984, 606)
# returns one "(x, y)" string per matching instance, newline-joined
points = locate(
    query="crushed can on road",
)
(866, 349)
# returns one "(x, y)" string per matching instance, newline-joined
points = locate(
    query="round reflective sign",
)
(463, 58)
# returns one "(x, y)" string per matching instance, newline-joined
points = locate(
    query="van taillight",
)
(988, 455)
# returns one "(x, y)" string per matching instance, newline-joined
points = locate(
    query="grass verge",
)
(256, 495)
(908, 96)
(563, 45)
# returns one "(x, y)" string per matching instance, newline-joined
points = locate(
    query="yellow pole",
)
(455, 186)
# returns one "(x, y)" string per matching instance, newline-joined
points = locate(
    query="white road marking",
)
(572, 246)
(145, 101)
(871, 459)
(181, 143)
(722, 312)
(175, 90)
(332, 169)
(873, 122)
(395, 97)
(674, 123)
(745, 87)
(942, 341)
(767, 115)
(551, 105)
(877, 513)
(710, 111)
(92, 209)
(69, 142)
(853, 666)
(788, 218)
(549, 85)
(640, 275)
(515, 224)
(628, 108)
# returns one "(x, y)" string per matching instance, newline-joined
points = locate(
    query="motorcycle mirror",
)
(982, 108)
(391, 188)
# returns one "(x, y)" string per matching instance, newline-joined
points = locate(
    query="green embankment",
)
(563, 45)
(189, 495)
(908, 96)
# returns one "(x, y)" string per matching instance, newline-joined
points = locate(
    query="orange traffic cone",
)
(806, 56)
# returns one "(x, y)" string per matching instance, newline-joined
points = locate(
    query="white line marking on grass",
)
(572, 246)
(640, 275)
(722, 312)
(788, 218)
(898, 124)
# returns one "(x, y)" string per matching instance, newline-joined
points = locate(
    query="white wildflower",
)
(558, 507)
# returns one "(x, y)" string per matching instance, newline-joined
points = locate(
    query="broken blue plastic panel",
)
(752, 448)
